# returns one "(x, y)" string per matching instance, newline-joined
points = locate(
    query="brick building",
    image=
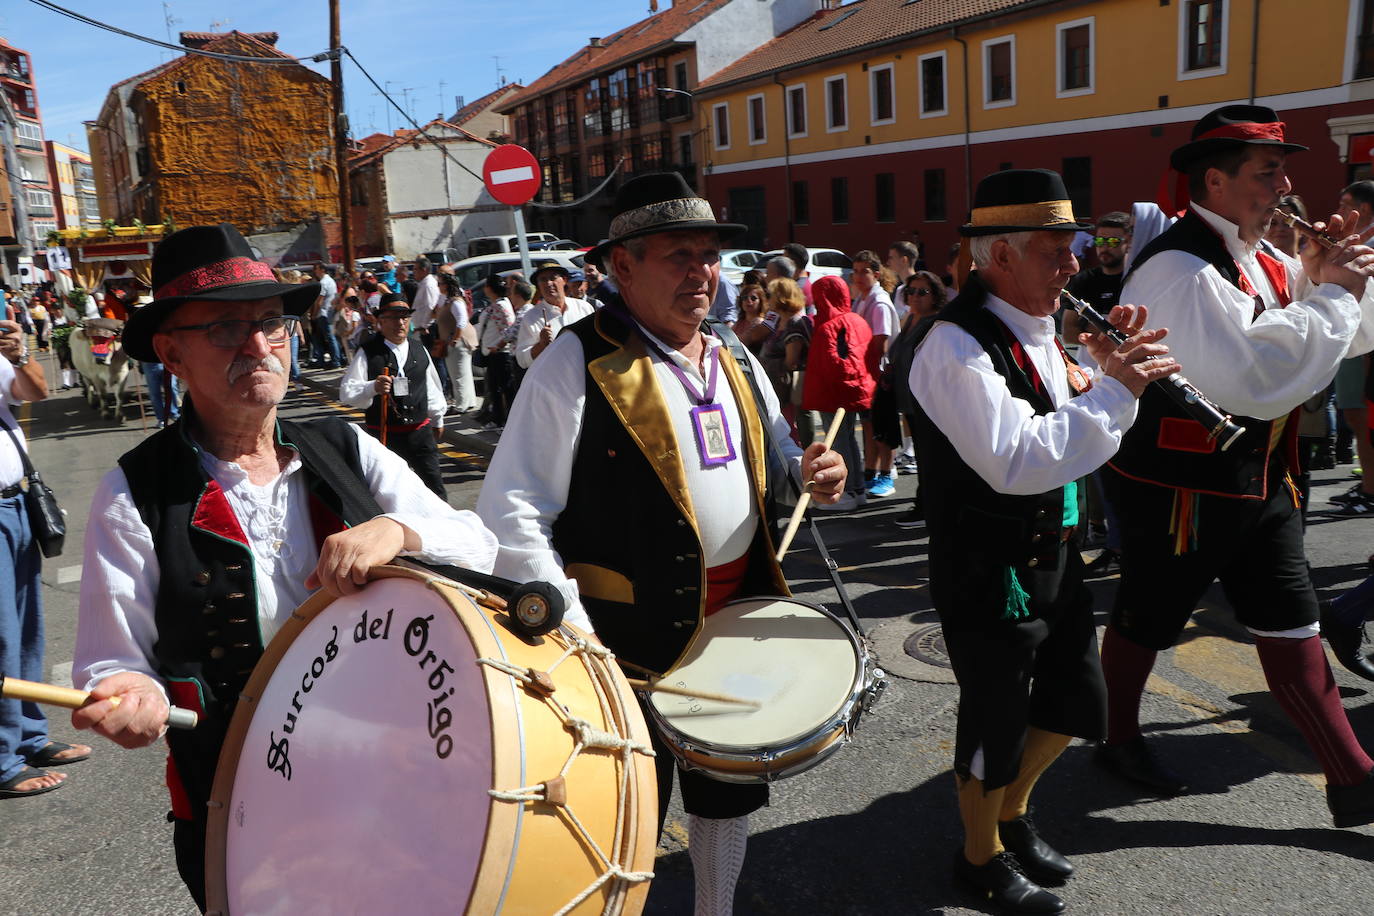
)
(204, 140)
(20, 88)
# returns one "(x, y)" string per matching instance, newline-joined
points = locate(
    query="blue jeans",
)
(23, 727)
(154, 374)
(295, 365)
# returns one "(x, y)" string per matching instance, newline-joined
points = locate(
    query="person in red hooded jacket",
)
(837, 375)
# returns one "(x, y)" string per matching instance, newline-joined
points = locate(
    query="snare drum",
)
(808, 672)
(393, 752)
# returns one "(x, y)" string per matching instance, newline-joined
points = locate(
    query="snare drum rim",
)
(221, 793)
(823, 735)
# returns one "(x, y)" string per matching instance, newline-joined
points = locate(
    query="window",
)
(935, 195)
(796, 110)
(720, 115)
(758, 132)
(1202, 38)
(932, 75)
(801, 203)
(41, 199)
(885, 197)
(684, 149)
(999, 72)
(882, 108)
(839, 200)
(1078, 181)
(1364, 42)
(836, 108)
(1075, 57)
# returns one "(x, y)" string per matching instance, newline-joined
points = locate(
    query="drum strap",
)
(778, 463)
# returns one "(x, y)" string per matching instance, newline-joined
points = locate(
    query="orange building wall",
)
(273, 167)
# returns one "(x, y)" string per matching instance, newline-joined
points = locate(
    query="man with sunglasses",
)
(214, 530)
(1100, 286)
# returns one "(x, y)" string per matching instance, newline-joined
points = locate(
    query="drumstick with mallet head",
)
(805, 499)
(386, 371)
(71, 698)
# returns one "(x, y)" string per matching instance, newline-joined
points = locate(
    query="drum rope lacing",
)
(596, 659)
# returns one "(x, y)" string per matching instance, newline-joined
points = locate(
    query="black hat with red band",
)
(213, 263)
(1232, 126)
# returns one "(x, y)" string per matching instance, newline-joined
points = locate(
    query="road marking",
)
(69, 574)
(61, 675)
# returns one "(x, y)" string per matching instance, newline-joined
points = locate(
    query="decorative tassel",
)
(1183, 521)
(1018, 602)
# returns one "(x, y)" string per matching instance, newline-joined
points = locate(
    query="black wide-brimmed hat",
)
(393, 302)
(548, 265)
(211, 263)
(1021, 200)
(1232, 126)
(658, 202)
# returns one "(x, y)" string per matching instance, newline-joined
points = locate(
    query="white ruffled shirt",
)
(117, 628)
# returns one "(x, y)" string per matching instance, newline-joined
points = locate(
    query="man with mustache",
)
(1259, 333)
(630, 475)
(212, 531)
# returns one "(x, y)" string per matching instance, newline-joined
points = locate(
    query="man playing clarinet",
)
(1006, 423)
(1259, 333)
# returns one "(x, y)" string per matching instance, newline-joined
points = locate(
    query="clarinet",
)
(1183, 393)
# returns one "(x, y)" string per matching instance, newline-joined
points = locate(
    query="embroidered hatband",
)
(664, 213)
(229, 272)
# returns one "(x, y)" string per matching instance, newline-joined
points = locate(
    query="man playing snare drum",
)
(630, 476)
(210, 533)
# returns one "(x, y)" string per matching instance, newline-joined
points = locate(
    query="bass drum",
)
(400, 750)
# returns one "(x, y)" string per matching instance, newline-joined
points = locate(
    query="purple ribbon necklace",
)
(714, 445)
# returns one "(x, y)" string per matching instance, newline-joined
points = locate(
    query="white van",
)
(500, 244)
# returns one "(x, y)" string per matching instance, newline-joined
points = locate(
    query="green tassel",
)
(1018, 602)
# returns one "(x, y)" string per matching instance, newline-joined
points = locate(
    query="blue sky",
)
(425, 47)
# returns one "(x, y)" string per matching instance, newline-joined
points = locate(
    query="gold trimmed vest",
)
(628, 534)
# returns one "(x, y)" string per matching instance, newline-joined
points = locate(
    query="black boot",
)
(1347, 642)
(1352, 806)
(1002, 881)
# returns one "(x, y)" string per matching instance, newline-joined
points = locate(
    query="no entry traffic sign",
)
(511, 174)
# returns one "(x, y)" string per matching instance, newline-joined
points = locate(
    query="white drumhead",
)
(387, 804)
(797, 662)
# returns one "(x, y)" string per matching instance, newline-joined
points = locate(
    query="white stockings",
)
(717, 851)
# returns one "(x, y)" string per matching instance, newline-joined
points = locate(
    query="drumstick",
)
(71, 698)
(805, 499)
(660, 687)
(385, 373)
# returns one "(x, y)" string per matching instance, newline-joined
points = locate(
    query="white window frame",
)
(1352, 29)
(792, 132)
(987, 71)
(715, 125)
(1183, 72)
(762, 124)
(873, 72)
(1059, 30)
(944, 84)
(28, 130)
(830, 126)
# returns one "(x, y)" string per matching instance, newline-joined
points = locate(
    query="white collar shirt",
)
(11, 464)
(537, 317)
(426, 300)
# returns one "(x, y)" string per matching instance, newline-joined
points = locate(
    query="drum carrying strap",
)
(777, 463)
(358, 505)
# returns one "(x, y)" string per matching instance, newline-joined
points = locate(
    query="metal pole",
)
(340, 138)
(518, 215)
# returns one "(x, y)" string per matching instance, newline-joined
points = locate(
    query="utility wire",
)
(443, 149)
(181, 49)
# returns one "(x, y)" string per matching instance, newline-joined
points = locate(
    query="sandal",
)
(8, 790)
(47, 757)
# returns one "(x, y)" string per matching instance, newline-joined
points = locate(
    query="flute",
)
(1304, 228)
(1193, 402)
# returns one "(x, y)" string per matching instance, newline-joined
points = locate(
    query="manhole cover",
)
(927, 644)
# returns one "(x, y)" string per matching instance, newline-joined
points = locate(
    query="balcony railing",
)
(28, 143)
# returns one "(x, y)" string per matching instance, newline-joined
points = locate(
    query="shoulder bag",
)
(45, 516)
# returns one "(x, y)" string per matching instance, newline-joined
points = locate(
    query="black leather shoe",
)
(1352, 806)
(1002, 881)
(1041, 862)
(1136, 762)
(1106, 563)
(1347, 643)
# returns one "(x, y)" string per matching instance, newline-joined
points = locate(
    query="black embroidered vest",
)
(407, 410)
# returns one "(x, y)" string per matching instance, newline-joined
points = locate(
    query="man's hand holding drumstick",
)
(128, 708)
(823, 472)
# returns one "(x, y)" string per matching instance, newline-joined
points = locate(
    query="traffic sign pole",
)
(518, 215)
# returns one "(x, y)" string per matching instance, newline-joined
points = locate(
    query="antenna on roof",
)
(214, 26)
(500, 79)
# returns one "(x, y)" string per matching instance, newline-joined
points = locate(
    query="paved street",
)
(873, 830)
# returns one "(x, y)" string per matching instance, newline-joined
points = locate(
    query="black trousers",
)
(1254, 547)
(421, 452)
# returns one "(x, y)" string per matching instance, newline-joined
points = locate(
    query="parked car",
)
(735, 261)
(473, 272)
(499, 244)
(445, 256)
(825, 262)
(557, 245)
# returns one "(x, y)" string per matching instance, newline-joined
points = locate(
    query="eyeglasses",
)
(919, 291)
(231, 334)
(1107, 241)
